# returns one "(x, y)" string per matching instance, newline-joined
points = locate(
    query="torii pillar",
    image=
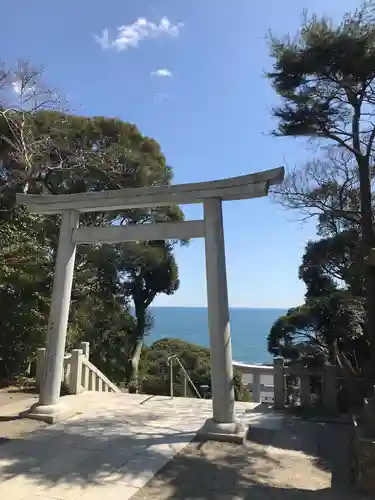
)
(223, 424)
(223, 420)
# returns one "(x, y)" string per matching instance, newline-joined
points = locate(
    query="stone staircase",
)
(79, 374)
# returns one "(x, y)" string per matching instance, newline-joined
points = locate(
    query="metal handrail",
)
(186, 378)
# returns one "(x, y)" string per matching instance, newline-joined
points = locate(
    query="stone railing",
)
(327, 376)
(79, 374)
(258, 379)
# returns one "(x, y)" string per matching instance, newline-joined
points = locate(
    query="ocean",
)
(249, 329)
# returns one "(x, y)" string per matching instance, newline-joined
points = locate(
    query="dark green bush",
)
(155, 375)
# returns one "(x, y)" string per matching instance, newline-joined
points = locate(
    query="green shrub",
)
(155, 375)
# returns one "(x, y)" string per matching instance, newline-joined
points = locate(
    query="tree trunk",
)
(368, 243)
(136, 350)
(333, 352)
(134, 362)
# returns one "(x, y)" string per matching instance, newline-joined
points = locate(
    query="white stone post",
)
(185, 385)
(223, 421)
(278, 383)
(171, 377)
(255, 388)
(85, 346)
(49, 407)
(75, 378)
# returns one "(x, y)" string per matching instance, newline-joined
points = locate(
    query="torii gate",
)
(211, 194)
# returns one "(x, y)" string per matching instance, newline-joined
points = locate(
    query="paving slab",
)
(112, 447)
(11, 405)
(11, 395)
(275, 464)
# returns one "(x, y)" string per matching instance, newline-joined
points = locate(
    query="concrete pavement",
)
(113, 446)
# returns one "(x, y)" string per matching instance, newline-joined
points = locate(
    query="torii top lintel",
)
(236, 188)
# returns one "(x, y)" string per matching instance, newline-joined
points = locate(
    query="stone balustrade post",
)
(279, 383)
(255, 388)
(85, 346)
(40, 366)
(75, 378)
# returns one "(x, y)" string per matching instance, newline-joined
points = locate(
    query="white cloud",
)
(129, 36)
(17, 87)
(161, 72)
(22, 89)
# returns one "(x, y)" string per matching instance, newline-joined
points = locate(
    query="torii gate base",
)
(223, 425)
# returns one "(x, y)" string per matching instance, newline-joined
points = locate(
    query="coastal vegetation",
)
(44, 149)
(155, 375)
(325, 78)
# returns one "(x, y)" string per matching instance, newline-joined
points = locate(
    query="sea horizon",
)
(249, 326)
(230, 307)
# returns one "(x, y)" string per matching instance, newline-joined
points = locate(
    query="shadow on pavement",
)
(220, 471)
(85, 452)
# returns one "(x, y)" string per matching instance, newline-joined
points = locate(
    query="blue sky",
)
(209, 107)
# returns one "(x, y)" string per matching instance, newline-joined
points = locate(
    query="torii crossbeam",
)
(210, 194)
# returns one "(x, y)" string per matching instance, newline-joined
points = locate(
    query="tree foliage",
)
(155, 374)
(325, 79)
(329, 325)
(25, 280)
(45, 150)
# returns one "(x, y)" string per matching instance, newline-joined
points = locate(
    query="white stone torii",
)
(211, 194)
